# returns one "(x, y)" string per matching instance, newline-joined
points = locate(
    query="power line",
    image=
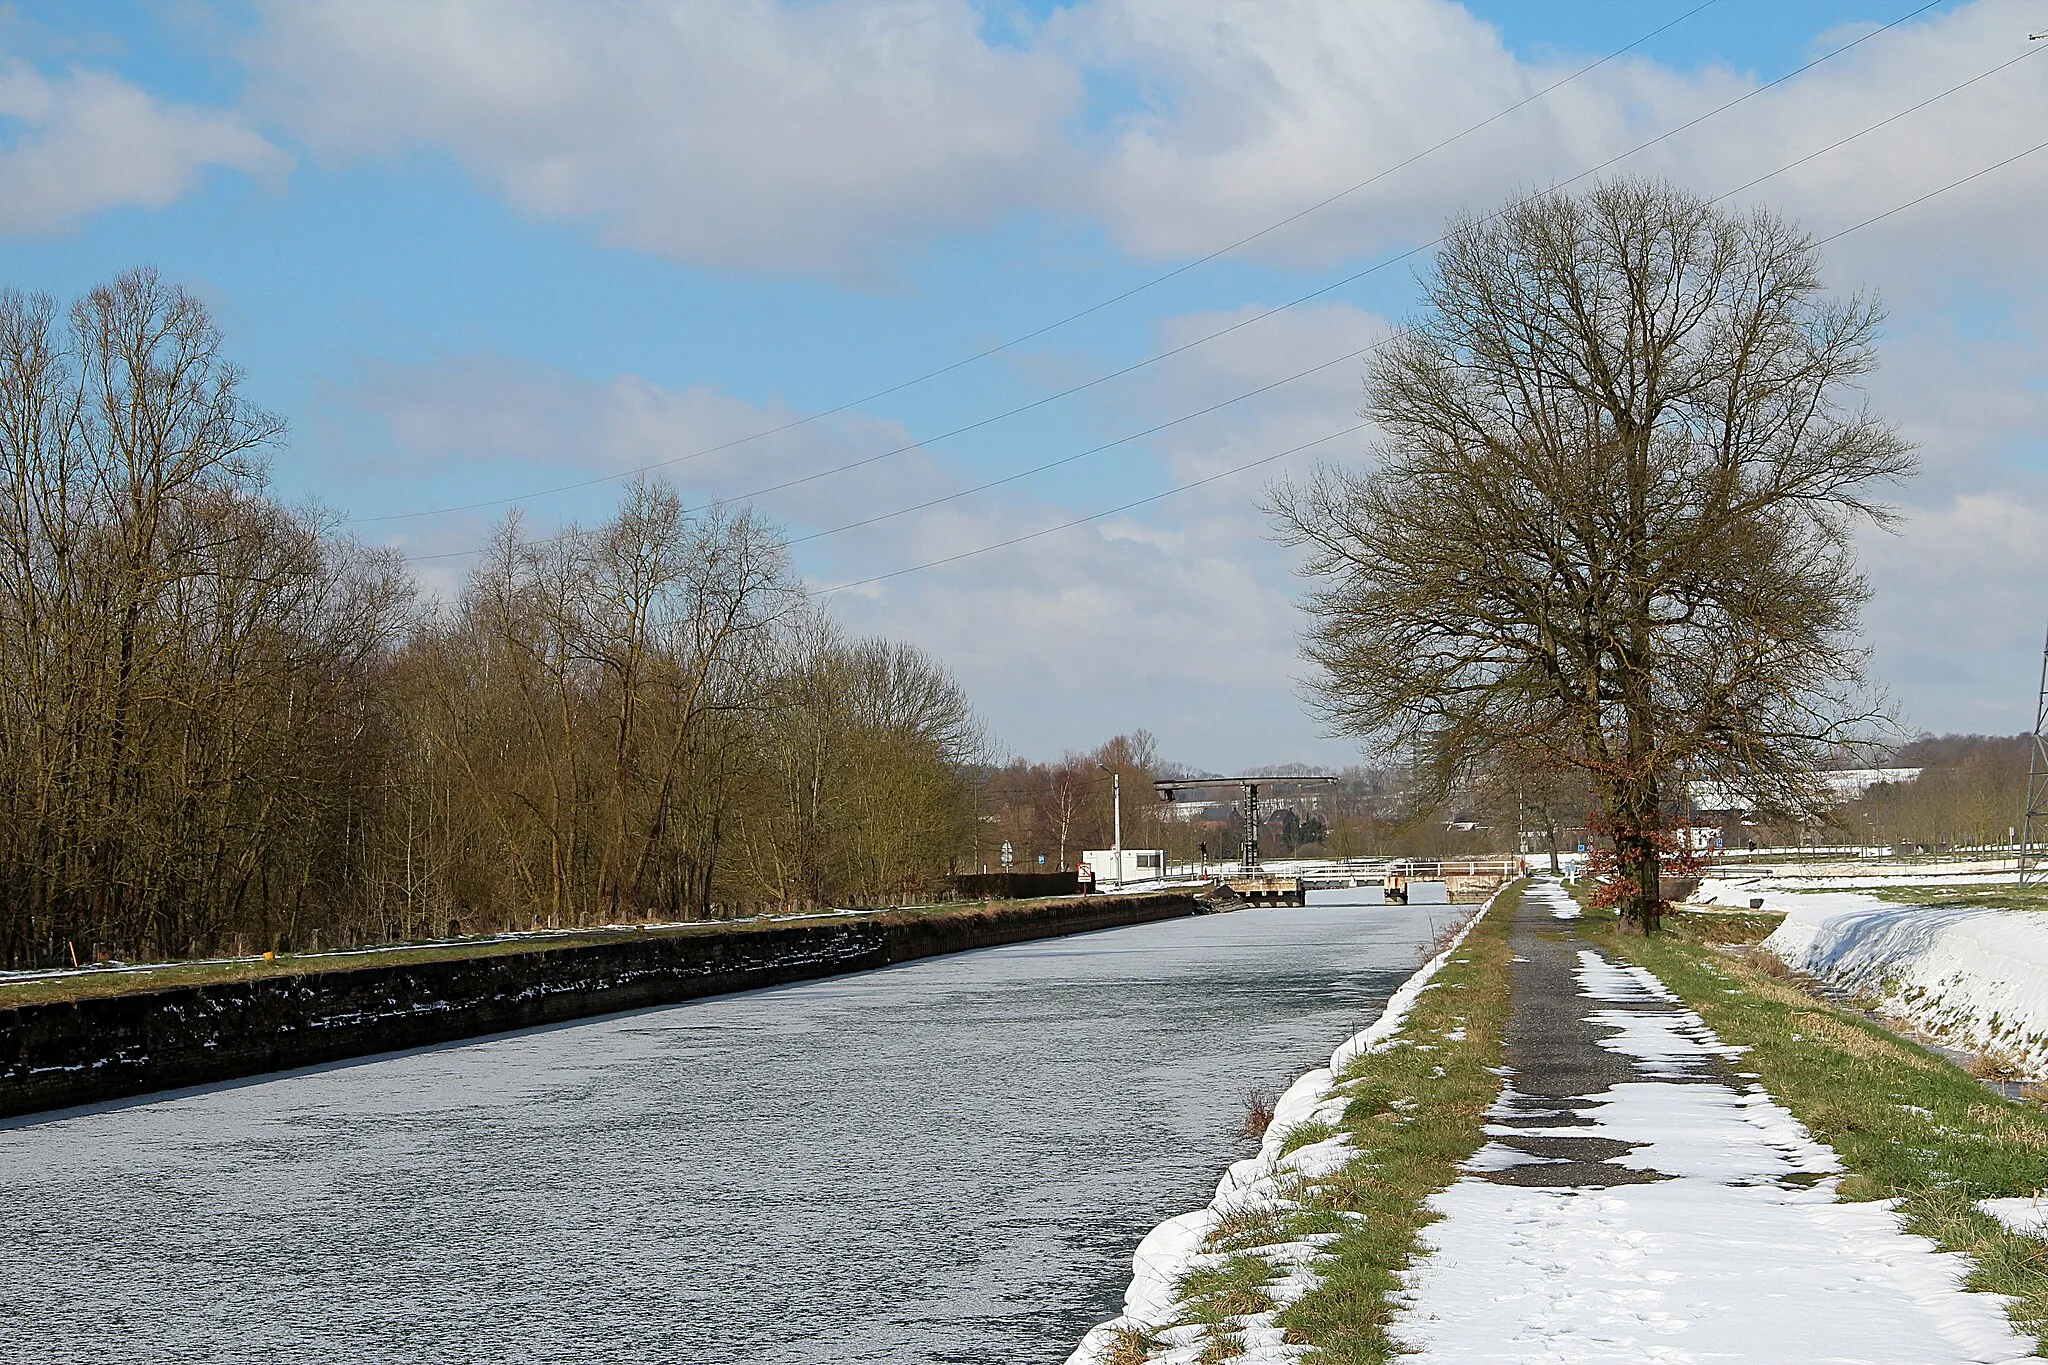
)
(1092, 450)
(1055, 325)
(1953, 184)
(1367, 350)
(1281, 455)
(1096, 516)
(876, 458)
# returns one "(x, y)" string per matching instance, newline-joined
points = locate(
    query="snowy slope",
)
(1973, 978)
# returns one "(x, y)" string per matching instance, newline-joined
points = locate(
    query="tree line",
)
(225, 726)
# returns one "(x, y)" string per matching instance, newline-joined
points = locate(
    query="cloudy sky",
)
(861, 259)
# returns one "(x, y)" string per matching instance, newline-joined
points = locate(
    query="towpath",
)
(1641, 1199)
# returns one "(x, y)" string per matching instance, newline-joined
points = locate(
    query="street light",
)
(1116, 796)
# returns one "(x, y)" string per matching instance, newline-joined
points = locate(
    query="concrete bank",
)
(56, 1055)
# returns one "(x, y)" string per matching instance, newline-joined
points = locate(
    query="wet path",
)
(946, 1161)
(1641, 1199)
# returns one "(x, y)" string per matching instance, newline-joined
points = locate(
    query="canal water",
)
(945, 1161)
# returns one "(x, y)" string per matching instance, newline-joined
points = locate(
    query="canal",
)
(945, 1161)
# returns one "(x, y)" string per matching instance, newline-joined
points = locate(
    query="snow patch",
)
(1740, 1252)
(2026, 1215)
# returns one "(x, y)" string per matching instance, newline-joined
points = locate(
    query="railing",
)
(1439, 869)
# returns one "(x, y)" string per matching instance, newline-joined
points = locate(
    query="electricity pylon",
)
(2035, 824)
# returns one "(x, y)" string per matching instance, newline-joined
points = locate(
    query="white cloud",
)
(1253, 115)
(1962, 599)
(433, 433)
(827, 136)
(751, 134)
(85, 141)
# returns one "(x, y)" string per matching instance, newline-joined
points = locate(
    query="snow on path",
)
(1740, 1253)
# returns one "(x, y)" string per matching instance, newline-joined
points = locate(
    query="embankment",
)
(58, 1054)
(1972, 977)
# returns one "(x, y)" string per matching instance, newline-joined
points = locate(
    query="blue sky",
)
(473, 251)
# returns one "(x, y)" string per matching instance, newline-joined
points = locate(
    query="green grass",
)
(91, 983)
(1907, 1124)
(1415, 1110)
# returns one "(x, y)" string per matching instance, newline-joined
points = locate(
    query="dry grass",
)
(1995, 1066)
(1851, 1040)
(1128, 1346)
(1256, 1104)
(1721, 926)
(1763, 962)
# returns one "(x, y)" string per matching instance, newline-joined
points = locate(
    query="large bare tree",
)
(1621, 456)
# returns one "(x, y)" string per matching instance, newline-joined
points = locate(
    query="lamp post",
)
(1116, 797)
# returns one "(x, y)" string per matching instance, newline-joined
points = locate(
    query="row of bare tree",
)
(222, 724)
(1970, 793)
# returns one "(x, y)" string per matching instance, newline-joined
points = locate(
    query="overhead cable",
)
(1299, 374)
(1281, 455)
(1058, 323)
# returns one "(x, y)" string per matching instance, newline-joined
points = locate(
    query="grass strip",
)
(1414, 1110)
(92, 983)
(2007, 897)
(1907, 1124)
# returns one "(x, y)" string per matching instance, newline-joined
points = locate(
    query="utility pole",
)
(1116, 799)
(2035, 823)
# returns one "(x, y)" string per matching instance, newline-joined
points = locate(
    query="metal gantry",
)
(2034, 825)
(1167, 788)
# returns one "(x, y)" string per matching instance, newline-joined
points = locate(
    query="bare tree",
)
(225, 726)
(1621, 458)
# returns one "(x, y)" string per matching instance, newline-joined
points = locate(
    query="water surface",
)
(945, 1161)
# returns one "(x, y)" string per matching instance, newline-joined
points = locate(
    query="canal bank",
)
(58, 1054)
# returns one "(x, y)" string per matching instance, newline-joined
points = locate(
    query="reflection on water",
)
(945, 1161)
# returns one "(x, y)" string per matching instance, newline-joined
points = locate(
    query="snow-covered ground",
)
(1739, 1253)
(1729, 883)
(1974, 978)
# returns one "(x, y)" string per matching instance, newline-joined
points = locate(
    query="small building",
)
(1139, 865)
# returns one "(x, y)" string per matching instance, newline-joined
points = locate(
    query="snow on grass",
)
(2024, 1214)
(1973, 977)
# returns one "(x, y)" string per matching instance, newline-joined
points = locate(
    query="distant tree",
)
(1621, 458)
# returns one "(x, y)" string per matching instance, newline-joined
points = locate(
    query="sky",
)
(856, 260)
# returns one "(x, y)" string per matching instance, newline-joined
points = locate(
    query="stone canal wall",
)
(109, 1047)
